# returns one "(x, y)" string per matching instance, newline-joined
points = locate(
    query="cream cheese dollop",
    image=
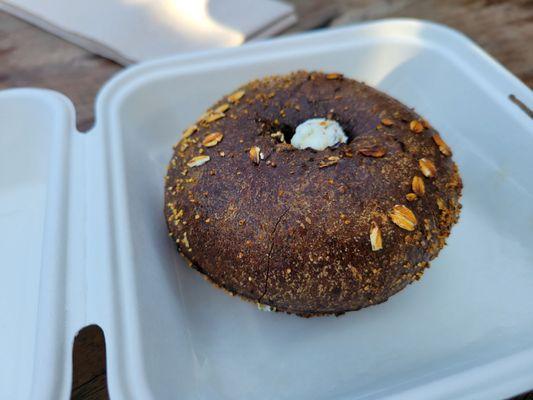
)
(318, 134)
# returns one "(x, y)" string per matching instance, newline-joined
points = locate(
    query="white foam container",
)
(83, 238)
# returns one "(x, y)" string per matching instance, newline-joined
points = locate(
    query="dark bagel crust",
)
(293, 232)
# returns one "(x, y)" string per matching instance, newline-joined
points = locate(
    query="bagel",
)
(303, 230)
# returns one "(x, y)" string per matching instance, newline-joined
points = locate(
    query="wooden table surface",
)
(31, 57)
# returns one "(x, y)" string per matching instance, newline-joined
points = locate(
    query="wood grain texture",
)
(502, 28)
(88, 356)
(31, 57)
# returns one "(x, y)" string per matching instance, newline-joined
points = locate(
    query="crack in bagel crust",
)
(273, 237)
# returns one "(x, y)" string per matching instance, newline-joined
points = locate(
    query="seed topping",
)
(333, 76)
(387, 122)
(233, 98)
(415, 126)
(255, 155)
(427, 167)
(403, 217)
(212, 139)
(189, 131)
(443, 147)
(197, 161)
(375, 237)
(373, 151)
(418, 186)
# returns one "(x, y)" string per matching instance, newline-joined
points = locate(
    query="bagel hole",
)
(288, 131)
(348, 132)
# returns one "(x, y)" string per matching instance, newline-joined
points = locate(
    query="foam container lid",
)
(84, 241)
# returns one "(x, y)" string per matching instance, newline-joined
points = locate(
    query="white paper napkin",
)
(136, 30)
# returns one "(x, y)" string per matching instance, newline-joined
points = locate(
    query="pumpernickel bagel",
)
(307, 231)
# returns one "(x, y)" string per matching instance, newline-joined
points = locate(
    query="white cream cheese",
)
(318, 134)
